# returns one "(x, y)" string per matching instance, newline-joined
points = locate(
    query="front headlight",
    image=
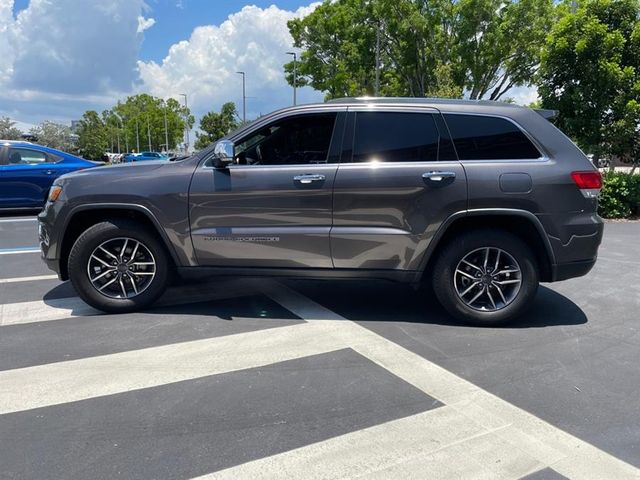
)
(54, 193)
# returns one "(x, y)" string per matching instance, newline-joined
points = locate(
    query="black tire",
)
(95, 236)
(462, 245)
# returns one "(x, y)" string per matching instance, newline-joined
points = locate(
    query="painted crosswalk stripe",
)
(475, 435)
(35, 278)
(18, 251)
(39, 311)
(63, 382)
(14, 220)
(549, 445)
(437, 444)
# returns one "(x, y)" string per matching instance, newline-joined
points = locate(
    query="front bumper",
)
(48, 238)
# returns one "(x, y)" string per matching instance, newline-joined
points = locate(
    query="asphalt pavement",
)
(246, 378)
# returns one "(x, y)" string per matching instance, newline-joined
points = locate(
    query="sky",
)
(59, 58)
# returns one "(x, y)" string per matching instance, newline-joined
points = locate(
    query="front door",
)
(398, 181)
(272, 206)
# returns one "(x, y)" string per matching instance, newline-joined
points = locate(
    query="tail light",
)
(589, 182)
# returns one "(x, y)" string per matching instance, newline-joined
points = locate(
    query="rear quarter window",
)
(479, 137)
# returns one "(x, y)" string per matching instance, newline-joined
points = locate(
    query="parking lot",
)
(245, 378)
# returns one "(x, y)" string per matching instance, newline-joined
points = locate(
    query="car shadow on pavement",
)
(202, 300)
(390, 302)
(366, 301)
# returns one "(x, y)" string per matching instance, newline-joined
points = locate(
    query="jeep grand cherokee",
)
(482, 199)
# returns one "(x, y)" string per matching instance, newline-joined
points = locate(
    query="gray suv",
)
(481, 200)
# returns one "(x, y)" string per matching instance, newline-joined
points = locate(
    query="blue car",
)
(143, 156)
(27, 171)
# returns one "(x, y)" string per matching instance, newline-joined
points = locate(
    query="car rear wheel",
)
(117, 266)
(486, 277)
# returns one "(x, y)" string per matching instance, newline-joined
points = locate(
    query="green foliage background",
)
(216, 125)
(620, 196)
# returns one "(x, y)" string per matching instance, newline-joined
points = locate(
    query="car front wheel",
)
(116, 266)
(486, 277)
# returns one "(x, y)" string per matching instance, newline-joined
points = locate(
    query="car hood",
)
(124, 170)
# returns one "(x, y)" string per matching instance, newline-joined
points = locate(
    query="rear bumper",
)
(565, 271)
(574, 239)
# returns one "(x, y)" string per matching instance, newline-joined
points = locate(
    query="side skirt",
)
(402, 276)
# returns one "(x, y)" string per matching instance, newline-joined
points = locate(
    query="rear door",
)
(398, 180)
(272, 208)
(26, 176)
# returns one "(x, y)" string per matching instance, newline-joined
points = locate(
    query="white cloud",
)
(64, 53)
(523, 95)
(6, 52)
(75, 46)
(253, 40)
(145, 23)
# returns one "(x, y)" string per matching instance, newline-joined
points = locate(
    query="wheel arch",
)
(522, 223)
(85, 216)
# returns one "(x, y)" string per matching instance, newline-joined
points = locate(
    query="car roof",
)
(420, 101)
(442, 104)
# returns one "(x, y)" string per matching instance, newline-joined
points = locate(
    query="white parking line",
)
(35, 278)
(13, 220)
(63, 382)
(44, 311)
(475, 435)
(437, 444)
(18, 251)
(61, 308)
(523, 431)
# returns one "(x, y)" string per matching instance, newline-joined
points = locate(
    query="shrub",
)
(620, 195)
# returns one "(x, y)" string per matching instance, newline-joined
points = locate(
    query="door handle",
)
(308, 178)
(48, 172)
(438, 177)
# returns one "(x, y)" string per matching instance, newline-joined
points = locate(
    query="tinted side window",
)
(395, 137)
(23, 156)
(489, 138)
(304, 139)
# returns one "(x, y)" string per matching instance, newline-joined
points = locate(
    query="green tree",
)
(498, 43)
(216, 125)
(427, 47)
(590, 73)
(92, 136)
(8, 130)
(141, 120)
(54, 135)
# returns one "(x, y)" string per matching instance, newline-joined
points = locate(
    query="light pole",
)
(126, 137)
(149, 134)
(137, 137)
(377, 85)
(186, 122)
(166, 131)
(244, 97)
(121, 128)
(295, 76)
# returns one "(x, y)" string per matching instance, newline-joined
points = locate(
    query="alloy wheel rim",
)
(121, 268)
(487, 279)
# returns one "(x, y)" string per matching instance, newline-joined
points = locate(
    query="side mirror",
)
(223, 154)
